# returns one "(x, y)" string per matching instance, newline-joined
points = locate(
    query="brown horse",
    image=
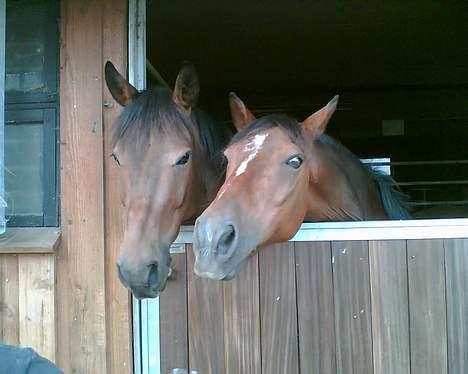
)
(171, 167)
(280, 173)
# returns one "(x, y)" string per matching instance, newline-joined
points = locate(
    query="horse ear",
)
(187, 87)
(122, 91)
(241, 116)
(317, 122)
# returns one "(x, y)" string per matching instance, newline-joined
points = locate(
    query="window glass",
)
(27, 44)
(31, 126)
(24, 161)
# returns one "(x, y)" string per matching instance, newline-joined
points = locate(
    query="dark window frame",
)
(41, 107)
(48, 117)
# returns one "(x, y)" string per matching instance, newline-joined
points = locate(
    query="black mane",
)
(394, 201)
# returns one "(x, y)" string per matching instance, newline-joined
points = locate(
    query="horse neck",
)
(211, 172)
(211, 180)
(342, 190)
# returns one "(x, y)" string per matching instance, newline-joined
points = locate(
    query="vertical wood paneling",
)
(428, 329)
(456, 272)
(352, 307)
(389, 298)
(9, 299)
(242, 321)
(36, 279)
(81, 273)
(315, 308)
(173, 318)
(280, 351)
(117, 297)
(205, 322)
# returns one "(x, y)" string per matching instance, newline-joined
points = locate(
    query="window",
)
(31, 113)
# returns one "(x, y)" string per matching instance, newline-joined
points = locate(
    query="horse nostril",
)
(153, 275)
(226, 239)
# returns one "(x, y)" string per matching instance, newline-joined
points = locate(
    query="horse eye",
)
(115, 158)
(295, 161)
(184, 159)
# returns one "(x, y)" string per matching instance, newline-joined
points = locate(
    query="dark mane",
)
(155, 111)
(394, 201)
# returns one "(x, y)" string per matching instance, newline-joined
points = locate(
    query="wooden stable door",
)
(396, 306)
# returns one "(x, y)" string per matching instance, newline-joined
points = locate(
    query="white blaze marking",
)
(253, 147)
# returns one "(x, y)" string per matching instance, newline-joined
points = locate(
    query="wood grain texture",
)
(242, 321)
(36, 279)
(205, 322)
(315, 308)
(30, 240)
(81, 312)
(173, 318)
(9, 300)
(456, 272)
(352, 307)
(428, 327)
(390, 314)
(280, 351)
(118, 316)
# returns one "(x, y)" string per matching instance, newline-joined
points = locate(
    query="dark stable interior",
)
(400, 68)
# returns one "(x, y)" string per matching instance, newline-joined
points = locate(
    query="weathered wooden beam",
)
(81, 310)
(118, 334)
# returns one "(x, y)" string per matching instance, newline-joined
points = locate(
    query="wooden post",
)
(117, 297)
(92, 307)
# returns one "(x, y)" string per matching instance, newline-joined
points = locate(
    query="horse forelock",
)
(287, 124)
(154, 113)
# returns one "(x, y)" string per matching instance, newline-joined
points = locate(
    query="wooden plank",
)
(81, 322)
(315, 308)
(118, 346)
(30, 240)
(389, 298)
(279, 339)
(428, 329)
(36, 279)
(352, 307)
(173, 318)
(9, 300)
(205, 322)
(242, 321)
(456, 273)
